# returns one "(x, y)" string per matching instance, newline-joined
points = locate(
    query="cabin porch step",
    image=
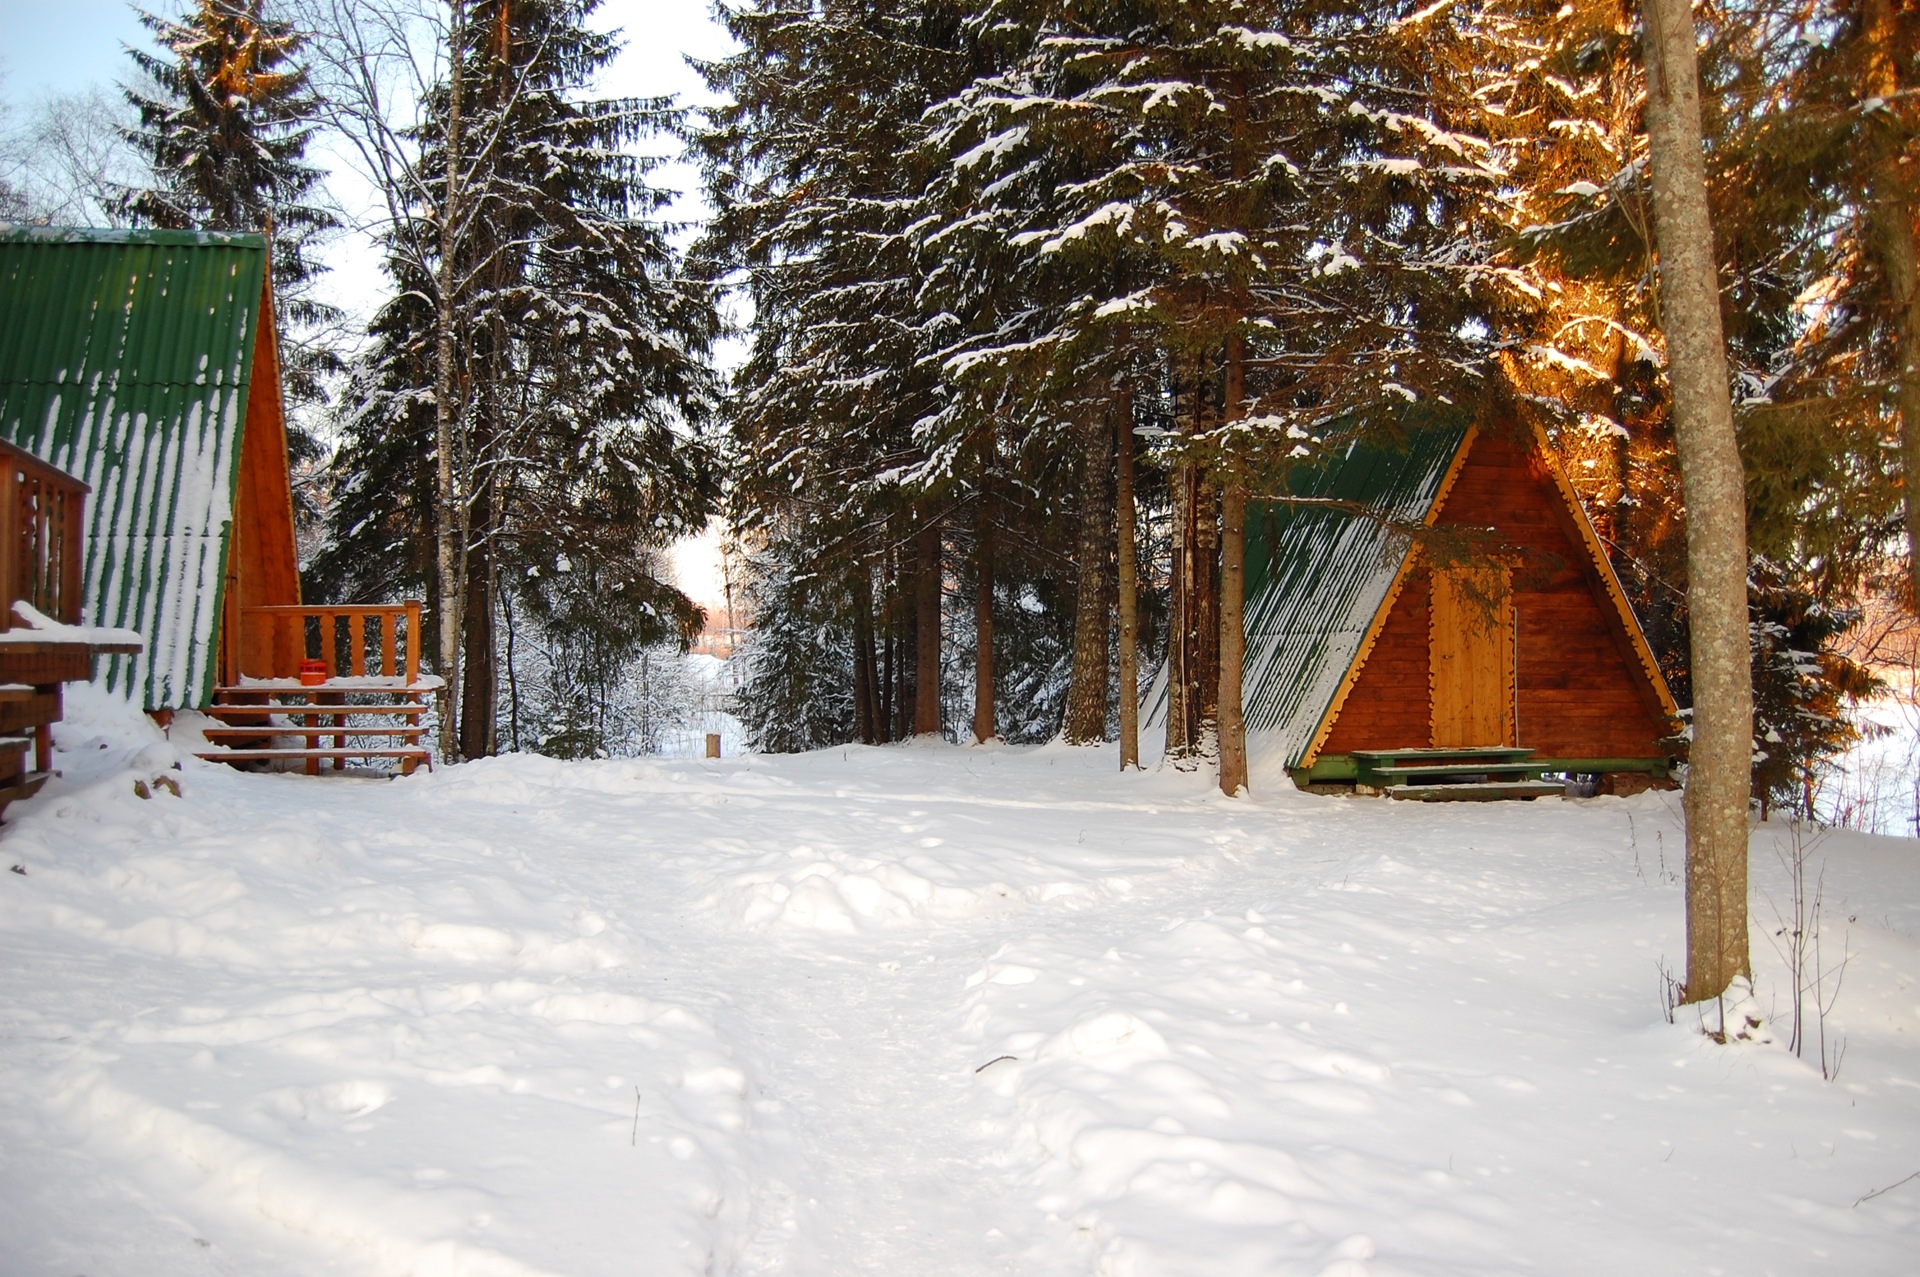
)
(305, 709)
(1510, 753)
(1434, 771)
(362, 686)
(1385, 768)
(287, 729)
(21, 787)
(232, 755)
(1482, 792)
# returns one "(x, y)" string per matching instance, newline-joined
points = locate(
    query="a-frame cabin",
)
(1411, 605)
(146, 364)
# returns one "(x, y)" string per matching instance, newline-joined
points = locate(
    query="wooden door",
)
(1470, 657)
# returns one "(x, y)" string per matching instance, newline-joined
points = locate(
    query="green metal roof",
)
(125, 358)
(1320, 563)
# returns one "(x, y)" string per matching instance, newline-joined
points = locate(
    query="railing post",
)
(389, 636)
(413, 642)
(11, 547)
(71, 560)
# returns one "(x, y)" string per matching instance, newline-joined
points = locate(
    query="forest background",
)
(1029, 298)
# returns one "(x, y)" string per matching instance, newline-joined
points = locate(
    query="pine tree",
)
(812, 173)
(1246, 189)
(224, 121)
(575, 427)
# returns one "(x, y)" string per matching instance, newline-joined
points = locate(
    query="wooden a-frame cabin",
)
(1436, 618)
(146, 364)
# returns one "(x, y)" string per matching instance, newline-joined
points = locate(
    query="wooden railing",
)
(40, 529)
(380, 640)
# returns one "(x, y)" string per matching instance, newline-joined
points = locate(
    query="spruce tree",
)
(225, 117)
(813, 177)
(577, 441)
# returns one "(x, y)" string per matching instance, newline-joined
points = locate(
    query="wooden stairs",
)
(26, 714)
(1477, 774)
(362, 698)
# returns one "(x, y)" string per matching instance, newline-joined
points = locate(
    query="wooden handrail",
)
(341, 609)
(26, 461)
(276, 638)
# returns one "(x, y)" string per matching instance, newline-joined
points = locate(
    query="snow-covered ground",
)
(1875, 786)
(909, 1011)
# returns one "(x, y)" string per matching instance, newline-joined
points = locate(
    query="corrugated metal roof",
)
(1319, 565)
(125, 358)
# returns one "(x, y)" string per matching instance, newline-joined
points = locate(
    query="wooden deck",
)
(41, 518)
(369, 706)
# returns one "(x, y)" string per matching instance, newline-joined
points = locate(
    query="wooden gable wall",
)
(1580, 690)
(262, 561)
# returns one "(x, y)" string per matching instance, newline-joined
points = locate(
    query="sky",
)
(62, 46)
(70, 45)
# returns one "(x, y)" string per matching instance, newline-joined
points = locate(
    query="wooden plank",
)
(344, 609)
(1491, 791)
(1426, 770)
(312, 732)
(389, 628)
(42, 663)
(11, 569)
(356, 645)
(265, 498)
(235, 711)
(24, 787)
(1470, 654)
(1627, 625)
(230, 755)
(1512, 752)
(72, 586)
(1387, 704)
(413, 641)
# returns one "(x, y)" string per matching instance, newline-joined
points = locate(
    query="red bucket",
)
(312, 673)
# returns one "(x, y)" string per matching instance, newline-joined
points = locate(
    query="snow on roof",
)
(125, 360)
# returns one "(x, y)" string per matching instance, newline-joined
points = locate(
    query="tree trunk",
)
(1713, 486)
(1179, 739)
(1193, 640)
(1198, 621)
(479, 688)
(1233, 559)
(863, 698)
(1128, 573)
(513, 672)
(926, 631)
(1891, 198)
(448, 543)
(883, 722)
(1204, 600)
(1087, 691)
(985, 728)
(899, 621)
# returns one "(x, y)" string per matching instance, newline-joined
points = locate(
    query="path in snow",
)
(525, 1017)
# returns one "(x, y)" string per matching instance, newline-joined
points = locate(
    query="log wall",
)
(1579, 690)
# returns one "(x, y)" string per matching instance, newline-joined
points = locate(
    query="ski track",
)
(347, 1027)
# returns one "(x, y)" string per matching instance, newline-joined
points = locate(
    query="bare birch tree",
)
(376, 64)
